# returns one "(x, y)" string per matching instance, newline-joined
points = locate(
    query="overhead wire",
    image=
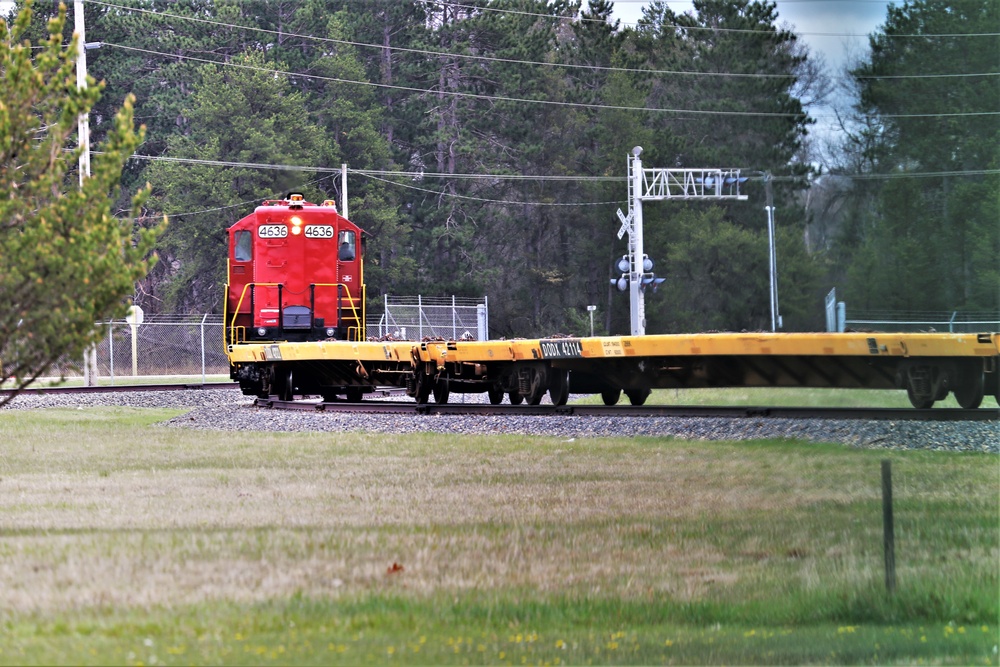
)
(521, 100)
(472, 57)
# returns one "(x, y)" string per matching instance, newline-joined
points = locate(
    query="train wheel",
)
(495, 395)
(515, 398)
(354, 394)
(919, 401)
(422, 389)
(637, 396)
(970, 390)
(537, 388)
(611, 396)
(559, 387)
(441, 390)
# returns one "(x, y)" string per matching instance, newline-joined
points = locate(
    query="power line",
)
(522, 100)
(753, 31)
(453, 93)
(465, 56)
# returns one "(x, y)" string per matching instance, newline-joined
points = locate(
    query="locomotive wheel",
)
(611, 396)
(441, 390)
(515, 398)
(970, 390)
(638, 396)
(919, 401)
(559, 387)
(495, 395)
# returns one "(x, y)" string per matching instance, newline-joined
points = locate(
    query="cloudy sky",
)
(832, 28)
(835, 29)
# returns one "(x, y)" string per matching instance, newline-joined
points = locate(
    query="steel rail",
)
(683, 411)
(114, 389)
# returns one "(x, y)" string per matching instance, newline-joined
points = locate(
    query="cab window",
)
(243, 246)
(347, 242)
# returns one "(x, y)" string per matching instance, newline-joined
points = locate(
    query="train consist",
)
(295, 325)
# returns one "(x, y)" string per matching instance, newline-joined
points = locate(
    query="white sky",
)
(837, 30)
(832, 28)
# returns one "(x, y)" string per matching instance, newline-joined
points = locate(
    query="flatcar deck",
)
(928, 365)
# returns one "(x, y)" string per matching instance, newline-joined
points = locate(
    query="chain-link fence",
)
(193, 346)
(174, 345)
(419, 317)
(923, 321)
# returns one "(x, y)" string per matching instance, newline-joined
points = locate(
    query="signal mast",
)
(657, 185)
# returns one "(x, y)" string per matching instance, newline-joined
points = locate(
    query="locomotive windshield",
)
(244, 246)
(347, 243)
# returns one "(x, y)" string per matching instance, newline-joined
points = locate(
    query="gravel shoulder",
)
(228, 410)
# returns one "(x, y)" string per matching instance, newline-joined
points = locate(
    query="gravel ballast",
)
(229, 410)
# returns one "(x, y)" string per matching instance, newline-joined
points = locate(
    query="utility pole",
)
(83, 136)
(83, 123)
(657, 185)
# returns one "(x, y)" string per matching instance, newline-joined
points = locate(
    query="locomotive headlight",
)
(330, 332)
(296, 231)
(261, 331)
(296, 224)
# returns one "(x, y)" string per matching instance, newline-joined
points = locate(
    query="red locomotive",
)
(295, 274)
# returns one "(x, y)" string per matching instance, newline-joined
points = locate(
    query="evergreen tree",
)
(929, 100)
(65, 261)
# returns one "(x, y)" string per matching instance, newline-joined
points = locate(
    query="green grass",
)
(123, 542)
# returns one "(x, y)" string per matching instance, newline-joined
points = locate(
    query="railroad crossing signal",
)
(655, 185)
(626, 223)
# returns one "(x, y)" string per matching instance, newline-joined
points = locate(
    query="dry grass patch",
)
(103, 509)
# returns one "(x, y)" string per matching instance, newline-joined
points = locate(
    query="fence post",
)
(888, 531)
(111, 350)
(203, 347)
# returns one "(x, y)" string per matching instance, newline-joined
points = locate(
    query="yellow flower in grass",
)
(669, 642)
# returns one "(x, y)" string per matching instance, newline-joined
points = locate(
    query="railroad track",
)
(411, 408)
(125, 388)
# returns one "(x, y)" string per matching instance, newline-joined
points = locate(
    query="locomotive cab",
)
(295, 274)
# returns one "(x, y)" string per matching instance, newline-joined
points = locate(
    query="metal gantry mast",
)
(658, 185)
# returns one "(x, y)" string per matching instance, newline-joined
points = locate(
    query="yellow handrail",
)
(231, 329)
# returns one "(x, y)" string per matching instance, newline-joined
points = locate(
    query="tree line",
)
(487, 143)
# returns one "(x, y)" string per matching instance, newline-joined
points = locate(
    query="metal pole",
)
(636, 296)
(343, 189)
(111, 350)
(203, 347)
(773, 263)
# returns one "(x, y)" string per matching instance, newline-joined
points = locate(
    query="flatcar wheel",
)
(423, 388)
(637, 396)
(495, 395)
(611, 396)
(441, 390)
(286, 391)
(515, 398)
(559, 387)
(919, 401)
(970, 390)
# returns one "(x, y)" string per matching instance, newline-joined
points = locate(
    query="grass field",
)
(128, 543)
